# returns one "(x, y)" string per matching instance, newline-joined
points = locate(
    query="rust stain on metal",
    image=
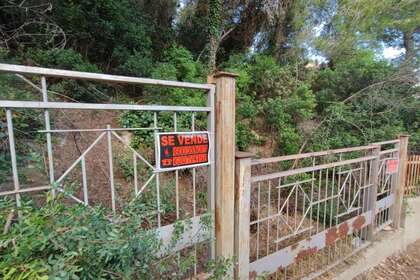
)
(343, 230)
(306, 252)
(331, 236)
(252, 275)
(359, 222)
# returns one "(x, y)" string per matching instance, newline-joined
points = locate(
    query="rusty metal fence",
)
(309, 212)
(147, 179)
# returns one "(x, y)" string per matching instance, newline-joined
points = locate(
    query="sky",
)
(388, 53)
(392, 52)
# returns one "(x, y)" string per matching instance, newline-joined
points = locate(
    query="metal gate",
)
(146, 175)
(306, 213)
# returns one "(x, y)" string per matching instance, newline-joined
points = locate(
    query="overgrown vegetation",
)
(354, 97)
(58, 241)
(312, 76)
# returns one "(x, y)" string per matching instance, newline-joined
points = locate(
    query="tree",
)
(191, 26)
(364, 23)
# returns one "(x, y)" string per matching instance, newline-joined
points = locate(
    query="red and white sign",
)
(176, 150)
(391, 166)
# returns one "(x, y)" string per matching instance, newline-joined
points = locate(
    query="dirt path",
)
(403, 266)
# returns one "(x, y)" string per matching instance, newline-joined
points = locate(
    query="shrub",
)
(61, 58)
(59, 241)
(244, 136)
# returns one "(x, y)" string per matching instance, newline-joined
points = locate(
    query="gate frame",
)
(220, 107)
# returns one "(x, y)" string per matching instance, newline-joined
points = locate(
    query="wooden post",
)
(242, 213)
(225, 162)
(399, 191)
(374, 189)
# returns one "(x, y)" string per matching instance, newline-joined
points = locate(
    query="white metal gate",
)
(196, 232)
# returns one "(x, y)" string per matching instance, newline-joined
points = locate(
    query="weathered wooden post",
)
(376, 149)
(399, 190)
(225, 162)
(242, 213)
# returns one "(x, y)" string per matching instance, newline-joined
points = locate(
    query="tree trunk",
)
(242, 37)
(215, 27)
(408, 45)
(280, 38)
(214, 45)
(282, 28)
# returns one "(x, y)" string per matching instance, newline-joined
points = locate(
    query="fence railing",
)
(412, 182)
(294, 216)
(299, 215)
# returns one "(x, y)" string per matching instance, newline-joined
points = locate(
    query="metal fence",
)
(146, 176)
(308, 212)
(412, 183)
(295, 216)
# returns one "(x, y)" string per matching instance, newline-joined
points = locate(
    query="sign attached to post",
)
(176, 150)
(391, 166)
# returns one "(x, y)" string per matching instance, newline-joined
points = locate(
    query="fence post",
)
(242, 213)
(224, 161)
(399, 190)
(374, 189)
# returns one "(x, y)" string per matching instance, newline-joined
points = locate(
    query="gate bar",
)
(308, 169)
(111, 167)
(372, 194)
(95, 130)
(48, 128)
(13, 155)
(29, 70)
(312, 154)
(96, 106)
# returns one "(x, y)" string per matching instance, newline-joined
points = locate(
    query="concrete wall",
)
(388, 243)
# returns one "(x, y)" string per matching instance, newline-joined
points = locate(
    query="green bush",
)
(62, 59)
(244, 136)
(59, 241)
(376, 109)
(177, 64)
(269, 90)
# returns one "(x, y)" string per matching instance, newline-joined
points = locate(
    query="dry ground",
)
(402, 266)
